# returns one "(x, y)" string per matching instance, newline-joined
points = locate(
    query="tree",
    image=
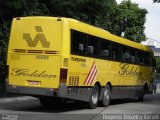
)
(156, 1)
(4, 34)
(106, 15)
(85, 10)
(17, 8)
(130, 19)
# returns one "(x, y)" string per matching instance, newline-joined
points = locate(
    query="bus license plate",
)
(34, 83)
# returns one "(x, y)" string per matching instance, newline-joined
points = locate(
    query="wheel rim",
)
(106, 95)
(95, 96)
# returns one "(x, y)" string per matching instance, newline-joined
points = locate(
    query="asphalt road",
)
(28, 108)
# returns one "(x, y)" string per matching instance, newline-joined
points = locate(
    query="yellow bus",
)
(54, 58)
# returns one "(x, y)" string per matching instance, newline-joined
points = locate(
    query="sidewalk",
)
(158, 91)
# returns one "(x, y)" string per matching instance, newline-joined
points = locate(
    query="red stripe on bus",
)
(93, 77)
(92, 74)
(88, 74)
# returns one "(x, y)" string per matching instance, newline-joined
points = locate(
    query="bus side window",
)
(78, 42)
(90, 50)
(141, 58)
(132, 56)
(136, 57)
(93, 46)
(104, 53)
(105, 49)
(146, 58)
(81, 46)
(126, 54)
(116, 51)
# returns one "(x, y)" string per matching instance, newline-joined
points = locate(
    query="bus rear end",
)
(34, 56)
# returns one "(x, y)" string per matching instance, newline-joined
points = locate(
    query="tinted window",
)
(93, 46)
(116, 51)
(105, 49)
(78, 40)
(132, 55)
(125, 54)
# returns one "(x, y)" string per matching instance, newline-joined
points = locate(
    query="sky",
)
(152, 25)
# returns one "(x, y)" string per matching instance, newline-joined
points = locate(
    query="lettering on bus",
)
(129, 70)
(78, 59)
(28, 73)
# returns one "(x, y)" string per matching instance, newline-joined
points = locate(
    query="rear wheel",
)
(106, 96)
(94, 97)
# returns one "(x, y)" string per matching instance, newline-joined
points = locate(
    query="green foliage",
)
(4, 35)
(85, 10)
(130, 20)
(156, 1)
(36, 9)
(16, 8)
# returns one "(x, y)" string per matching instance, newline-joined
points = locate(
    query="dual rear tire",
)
(93, 102)
(106, 98)
(94, 98)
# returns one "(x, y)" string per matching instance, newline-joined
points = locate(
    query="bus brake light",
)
(63, 76)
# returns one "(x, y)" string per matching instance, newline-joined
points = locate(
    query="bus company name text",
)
(27, 73)
(128, 70)
(78, 59)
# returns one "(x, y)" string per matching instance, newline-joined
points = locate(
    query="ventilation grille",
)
(35, 51)
(73, 84)
(19, 50)
(73, 80)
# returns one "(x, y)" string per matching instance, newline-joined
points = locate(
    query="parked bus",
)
(55, 58)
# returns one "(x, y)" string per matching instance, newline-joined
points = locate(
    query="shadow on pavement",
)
(34, 106)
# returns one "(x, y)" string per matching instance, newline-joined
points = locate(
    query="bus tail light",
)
(63, 76)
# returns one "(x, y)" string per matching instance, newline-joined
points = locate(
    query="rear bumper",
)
(76, 93)
(31, 91)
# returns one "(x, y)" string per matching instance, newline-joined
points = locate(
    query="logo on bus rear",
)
(39, 37)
